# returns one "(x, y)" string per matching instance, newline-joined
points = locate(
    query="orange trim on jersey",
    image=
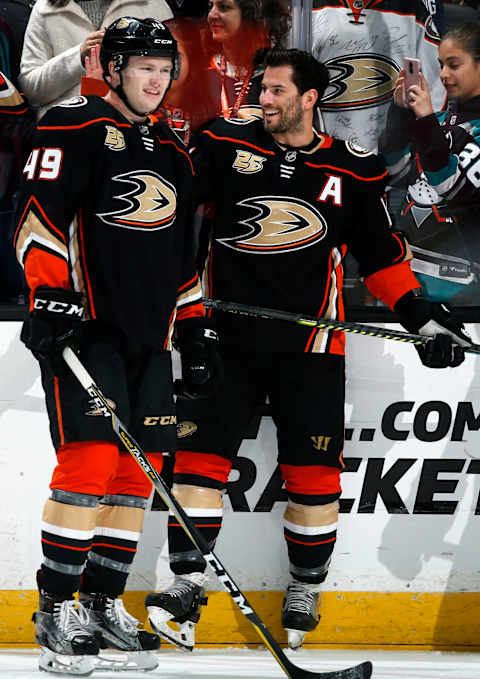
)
(309, 544)
(238, 141)
(167, 141)
(438, 216)
(391, 283)
(197, 525)
(311, 479)
(150, 224)
(85, 269)
(342, 169)
(401, 242)
(59, 410)
(192, 311)
(45, 268)
(82, 125)
(188, 283)
(106, 544)
(56, 544)
(32, 199)
(9, 111)
(202, 464)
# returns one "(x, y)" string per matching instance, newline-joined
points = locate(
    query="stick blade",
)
(362, 671)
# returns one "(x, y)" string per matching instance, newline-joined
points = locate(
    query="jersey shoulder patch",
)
(357, 150)
(74, 102)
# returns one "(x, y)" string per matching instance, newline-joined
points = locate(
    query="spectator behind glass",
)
(60, 33)
(237, 29)
(363, 44)
(435, 157)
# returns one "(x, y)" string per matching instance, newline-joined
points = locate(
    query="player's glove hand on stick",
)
(417, 315)
(52, 324)
(202, 368)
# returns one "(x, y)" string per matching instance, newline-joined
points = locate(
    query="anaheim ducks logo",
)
(97, 409)
(186, 429)
(151, 204)
(359, 81)
(278, 225)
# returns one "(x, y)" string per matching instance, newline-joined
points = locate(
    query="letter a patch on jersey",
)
(332, 190)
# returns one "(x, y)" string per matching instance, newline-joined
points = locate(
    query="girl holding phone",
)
(436, 155)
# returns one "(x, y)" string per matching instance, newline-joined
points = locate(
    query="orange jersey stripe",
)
(341, 169)
(238, 141)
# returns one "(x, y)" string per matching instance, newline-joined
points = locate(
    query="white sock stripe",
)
(310, 530)
(73, 533)
(202, 511)
(132, 535)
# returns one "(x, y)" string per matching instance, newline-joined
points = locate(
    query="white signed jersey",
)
(363, 44)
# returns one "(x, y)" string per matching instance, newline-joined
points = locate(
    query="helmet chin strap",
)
(119, 91)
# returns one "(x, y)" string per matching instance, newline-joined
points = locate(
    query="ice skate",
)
(116, 629)
(62, 630)
(299, 611)
(179, 604)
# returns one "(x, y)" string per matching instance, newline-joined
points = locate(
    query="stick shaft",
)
(324, 323)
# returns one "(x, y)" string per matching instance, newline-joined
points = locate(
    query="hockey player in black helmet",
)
(80, 254)
(130, 37)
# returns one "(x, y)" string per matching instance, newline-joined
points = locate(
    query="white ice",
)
(238, 663)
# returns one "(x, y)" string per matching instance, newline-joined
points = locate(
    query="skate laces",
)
(184, 585)
(72, 618)
(300, 599)
(116, 611)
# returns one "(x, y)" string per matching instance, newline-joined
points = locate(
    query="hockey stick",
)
(324, 323)
(362, 671)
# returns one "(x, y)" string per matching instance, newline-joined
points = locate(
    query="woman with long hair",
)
(437, 157)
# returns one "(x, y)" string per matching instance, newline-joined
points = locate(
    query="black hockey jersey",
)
(105, 206)
(284, 219)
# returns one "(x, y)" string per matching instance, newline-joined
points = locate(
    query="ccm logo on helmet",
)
(56, 307)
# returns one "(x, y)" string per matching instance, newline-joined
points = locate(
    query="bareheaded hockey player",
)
(102, 236)
(289, 202)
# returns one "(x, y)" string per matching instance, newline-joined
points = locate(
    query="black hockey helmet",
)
(129, 36)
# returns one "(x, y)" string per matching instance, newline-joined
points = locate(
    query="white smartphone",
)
(412, 72)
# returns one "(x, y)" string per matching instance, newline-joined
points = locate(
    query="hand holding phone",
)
(412, 72)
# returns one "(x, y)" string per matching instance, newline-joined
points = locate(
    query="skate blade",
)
(66, 665)
(117, 661)
(295, 638)
(182, 635)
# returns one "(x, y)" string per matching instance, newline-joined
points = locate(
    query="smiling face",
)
(460, 73)
(145, 81)
(224, 19)
(281, 102)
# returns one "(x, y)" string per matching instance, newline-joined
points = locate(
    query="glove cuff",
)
(58, 303)
(194, 329)
(414, 311)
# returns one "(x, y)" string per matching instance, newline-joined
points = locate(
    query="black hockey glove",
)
(448, 337)
(52, 324)
(202, 368)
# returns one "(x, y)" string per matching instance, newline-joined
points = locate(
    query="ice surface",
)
(239, 663)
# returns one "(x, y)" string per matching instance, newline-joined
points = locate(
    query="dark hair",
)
(58, 3)
(308, 73)
(468, 36)
(275, 15)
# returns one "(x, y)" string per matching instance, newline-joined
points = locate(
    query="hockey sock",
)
(68, 524)
(184, 557)
(119, 523)
(310, 534)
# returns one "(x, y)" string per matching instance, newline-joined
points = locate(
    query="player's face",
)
(224, 19)
(145, 81)
(281, 102)
(460, 73)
